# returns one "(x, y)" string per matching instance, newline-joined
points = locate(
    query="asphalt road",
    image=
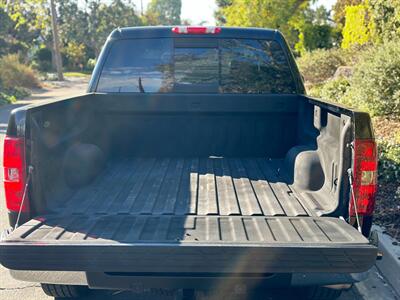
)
(374, 288)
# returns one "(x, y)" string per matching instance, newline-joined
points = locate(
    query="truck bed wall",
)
(115, 126)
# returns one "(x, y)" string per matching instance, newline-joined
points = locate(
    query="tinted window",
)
(232, 66)
(254, 66)
(142, 65)
(196, 65)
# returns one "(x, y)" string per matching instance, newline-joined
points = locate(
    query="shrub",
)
(315, 90)
(6, 98)
(15, 74)
(375, 85)
(11, 95)
(389, 161)
(319, 65)
(335, 89)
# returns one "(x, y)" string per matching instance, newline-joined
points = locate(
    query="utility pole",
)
(56, 41)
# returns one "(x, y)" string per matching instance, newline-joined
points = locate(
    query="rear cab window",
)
(201, 65)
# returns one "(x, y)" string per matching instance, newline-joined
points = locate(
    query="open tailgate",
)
(231, 244)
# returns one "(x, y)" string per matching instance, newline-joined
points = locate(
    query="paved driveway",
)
(374, 288)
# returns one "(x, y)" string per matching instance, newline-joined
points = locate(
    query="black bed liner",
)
(189, 186)
(187, 215)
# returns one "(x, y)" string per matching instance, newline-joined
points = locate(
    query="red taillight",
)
(196, 30)
(364, 177)
(14, 173)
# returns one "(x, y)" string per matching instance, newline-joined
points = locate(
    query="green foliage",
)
(11, 95)
(15, 35)
(74, 22)
(5, 25)
(76, 74)
(15, 74)
(26, 26)
(375, 85)
(103, 18)
(315, 31)
(164, 12)
(333, 90)
(319, 65)
(339, 10)
(385, 16)
(320, 15)
(42, 59)
(90, 64)
(389, 161)
(76, 54)
(314, 37)
(285, 15)
(357, 28)
(219, 13)
(5, 98)
(27, 22)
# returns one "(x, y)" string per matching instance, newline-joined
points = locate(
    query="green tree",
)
(164, 12)
(73, 22)
(103, 18)
(339, 10)
(315, 31)
(5, 25)
(23, 24)
(313, 36)
(284, 15)
(76, 54)
(219, 13)
(358, 28)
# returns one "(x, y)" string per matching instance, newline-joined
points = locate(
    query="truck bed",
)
(219, 215)
(188, 186)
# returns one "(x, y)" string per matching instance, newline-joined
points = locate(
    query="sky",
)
(203, 10)
(327, 3)
(194, 10)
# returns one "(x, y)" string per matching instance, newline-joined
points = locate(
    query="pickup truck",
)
(194, 162)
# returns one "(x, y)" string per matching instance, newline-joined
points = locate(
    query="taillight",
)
(364, 177)
(14, 173)
(196, 30)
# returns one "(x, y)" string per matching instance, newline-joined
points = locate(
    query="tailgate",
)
(187, 244)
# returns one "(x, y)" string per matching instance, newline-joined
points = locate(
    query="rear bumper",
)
(130, 281)
(164, 258)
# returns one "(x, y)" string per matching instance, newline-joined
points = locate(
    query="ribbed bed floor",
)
(188, 186)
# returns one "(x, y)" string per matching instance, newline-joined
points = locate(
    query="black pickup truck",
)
(194, 161)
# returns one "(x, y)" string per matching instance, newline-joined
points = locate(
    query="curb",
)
(389, 265)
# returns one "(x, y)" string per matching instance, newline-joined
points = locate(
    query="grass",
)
(77, 74)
